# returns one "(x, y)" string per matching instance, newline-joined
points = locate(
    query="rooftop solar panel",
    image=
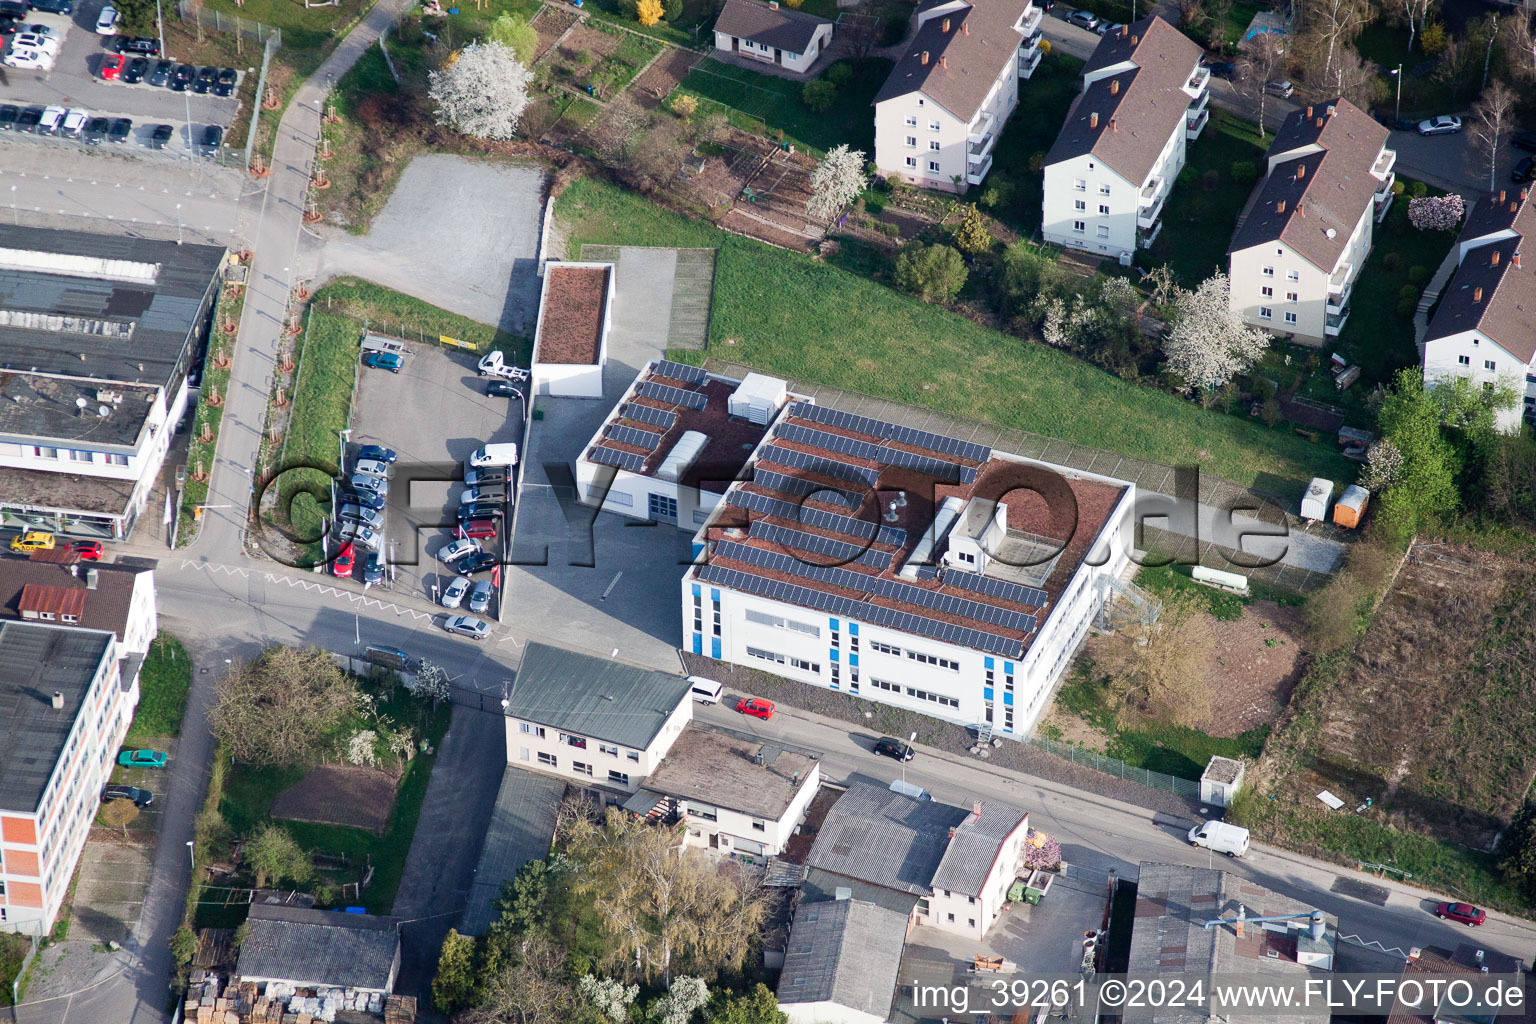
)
(764, 504)
(679, 371)
(800, 487)
(940, 443)
(842, 420)
(831, 442)
(674, 396)
(632, 435)
(613, 457)
(950, 472)
(663, 418)
(1015, 592)
(890, 431)
(817, 463)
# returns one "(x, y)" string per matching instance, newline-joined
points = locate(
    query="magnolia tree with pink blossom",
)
(1436, 213)
(1041, 850)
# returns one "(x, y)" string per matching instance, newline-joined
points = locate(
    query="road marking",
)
(615, 582)
(1373, 944)
(311, 586)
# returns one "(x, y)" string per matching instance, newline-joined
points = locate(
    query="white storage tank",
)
(1314, 504)
(758, 398)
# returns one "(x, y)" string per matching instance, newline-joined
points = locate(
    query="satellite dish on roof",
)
(103, 411)
(81, 403)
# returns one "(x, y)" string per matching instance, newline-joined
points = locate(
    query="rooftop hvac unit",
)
(757, 398)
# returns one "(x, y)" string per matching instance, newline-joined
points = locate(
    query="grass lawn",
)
(687, 30)
(777, 103)
(322, 406)
(1198, 221)
(392, 312)
(304, 28)
(164, 681)
(790, 314)
(1043, 103)
(200, 452)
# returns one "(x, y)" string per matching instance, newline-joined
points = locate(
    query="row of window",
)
(1267, 292)
(933, 165)
(1290, 275)
(75, 455)
(580, 768)
(779, 622)
(783, 659)
(917, 656)
(912, 143)
(1266, 313)
(1081, 206)
(1081, 228)
(579, 742)
(1081, 185)
(912, 691)
(1488, 364)
(933, 126)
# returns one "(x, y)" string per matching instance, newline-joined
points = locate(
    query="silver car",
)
(370, 467)
(480, 598)
(363, 516)
(454, 593)
(465, 625)
(372, 484)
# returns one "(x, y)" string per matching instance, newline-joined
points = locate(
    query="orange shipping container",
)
(1349, 510)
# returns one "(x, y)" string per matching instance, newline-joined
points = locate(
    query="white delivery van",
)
(504, 454)
(494, 364)
(910, 789)
(705, 691)
(1231, 840)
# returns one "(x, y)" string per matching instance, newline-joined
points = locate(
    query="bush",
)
(1210, 180)
(684, 106)
(839, 74)
(1398, 187)
(819, 95)
(1045, 47)
(183, 946)
(1407, 307)
(1244, 172)
(930, 271)
(874, 202)
(893, 30)
(1391, 261)
(1418, 274)
(671, 10)
(1408, 291)
(1433, 39)
(1036, 162)
(1418, 190)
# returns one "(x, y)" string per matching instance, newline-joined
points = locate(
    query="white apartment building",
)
(1299, 247)
(905, 567)
(735, 795)
(772, 33)
(592, 721)
(51, 587)
(1485, 325)
(67, 712)
(1112, 168)
(939, 114)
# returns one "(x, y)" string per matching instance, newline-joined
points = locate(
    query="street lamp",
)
(192, 853)
(178, 219)
(1397, 111)
(910, 739)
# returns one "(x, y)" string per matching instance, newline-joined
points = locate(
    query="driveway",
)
(461, 234)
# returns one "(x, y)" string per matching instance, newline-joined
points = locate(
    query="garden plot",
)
(599, 61)
(550, 23)
(715, 173)
(663, 76)
(778, 194)
(340, 795)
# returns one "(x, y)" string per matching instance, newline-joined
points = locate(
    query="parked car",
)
(465, 625)
(357, 514)
(1084, 19)
(137, 68)
(480, 597)
(1282, 89)
(495, 476)
(481, 510)
(344, 561)
(160, 74)
(457, 549)
(29, 40)
(1220, 837)
(51, 119)
(121, 130)
(9, 26)
(203, 83)
(377, 452)
(454, 592)
(182, 77)
(1523, 171)
(96, 130)
(1463, 913)
(364, 535)
(480, 529)
(87, 550)
(9, 115)
(373, 568)
(106, 21)
(73, 125)
(1524, 140)
(481, 495)
(30, 119)
(213, 138)
(141, 797)
(29, 60)
(141, 759)
(33, 540)
(374, 484)
(159, 135)
(367, 499)
(225, 86)
(138, 46)
(370, 467)
(478, 562)
(13, 9)
(889, 746)
(494, 364)
(1107, 27)
(757, 707)
(502, 389)
(1445, 124)
(383, 361)
(1223, 69)
(53, 6)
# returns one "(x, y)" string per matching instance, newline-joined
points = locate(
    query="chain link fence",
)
(1188, 789)
(273, 44)
(223, 21)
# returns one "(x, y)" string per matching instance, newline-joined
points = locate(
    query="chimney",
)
(1515, 259)
(1514, 207)
(1301, 211)
(58, 700)
(1319, 122)
(943, 60)
(1501, 196)
(965, 27)
(90, 579)
(1493, 260)
(773, 5)
(1477, 294)
(1135, 40)
(976, 808)
(1125, 30)
(1093, 120)
(1280, 206)
(925, 58)
(1114, 87)
(1309, 110)
(944, 26)
(1301, 171)
(1112, 126)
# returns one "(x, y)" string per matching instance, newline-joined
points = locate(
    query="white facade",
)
(827, 1012)
(589, 760)
(800, 63)
(973, 914)
(735, 831)
(572, 380)
(925, 144)
(1474, 355)
(143, 622)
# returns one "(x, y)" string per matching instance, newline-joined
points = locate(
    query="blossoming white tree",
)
(482, 91)
(1209, 343)
(1436, 213)
(836, 181)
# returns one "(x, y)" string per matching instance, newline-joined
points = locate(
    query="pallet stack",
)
(400, 1010)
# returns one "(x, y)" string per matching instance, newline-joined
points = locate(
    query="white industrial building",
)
(570, 342)
(1112, 168)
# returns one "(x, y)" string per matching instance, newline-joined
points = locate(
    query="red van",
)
(481, 529)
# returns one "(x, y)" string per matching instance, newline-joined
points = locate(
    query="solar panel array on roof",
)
(679, 371)
(873, 614)
(800, 487)
(831, 442)
(839, 551)
(663, 418)
(1015, 592)
(891, 432)
(632, 435)
(951, 472)
(754, 502)
(817, 463)
(819, 518)
(613, 457)
(896, 590)
(673, 396)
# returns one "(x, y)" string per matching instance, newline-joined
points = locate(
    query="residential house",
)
(1299, 247)
(103, 338)
(1174, 903)
(65, 713)
(1472, 963)
(772, 33)
(591, 720)
(940, 113)
(1112, 168)
(521, 829)
(942, 866)
(905, 567)
(841, 963)
(56, 587)
(1485, 326)
(733, 794)
(352, 958)
(570, 340)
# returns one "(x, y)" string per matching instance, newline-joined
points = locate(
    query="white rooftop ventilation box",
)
(758, 397)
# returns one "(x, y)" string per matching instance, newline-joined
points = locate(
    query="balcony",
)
(980, 129)
(976, 151)
(1194, 123)
(1199, 80)
(1385, 161)
(1340, 284)
(1335, 322)
(1151, 194)
(1145, 238)
(974, 172)
(1147, 218)
(1031, 24)
(1029, 61)
(1383, 198)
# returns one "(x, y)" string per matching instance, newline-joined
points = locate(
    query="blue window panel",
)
(833, 654)
(696, 590)
(1007, 728)
(714, 647)
(1008, 667)
(986, 691)
(1008, 700)
(698, 549)
(853, 659)
(989, 662)
(714, 595)
(698, 641)
(835, 686)
(853, 629)
(832, 624)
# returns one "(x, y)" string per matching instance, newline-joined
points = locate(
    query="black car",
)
(160, 74)
(29, 119)
(367, 499)
(135, 71)
(1524, 140)
(160, 135)
(142, 797)
(9, 26)
(225, 86)
(373, 568)
(205, 79)
(1222, 69)
(481, 510)
(53, 6)
(8, 117)
(182, 77)
(213, 138)
(143, 46)
(480, 561)
(1524, 171)
(96, 130)
(13, 9)
(121, 130)
(888, 746)
(502, 389)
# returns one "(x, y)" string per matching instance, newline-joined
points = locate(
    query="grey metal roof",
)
(846, 952)
(44, 408)
(163, 313)
(823, 885)
(319, 947)
(881, 837)
(594, 697)
(521, 830)
(35, 661)
(975, 845)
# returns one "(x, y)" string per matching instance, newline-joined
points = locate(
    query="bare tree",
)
(277, 709)
(1263, 60)
(1159, 670)
(1455, 61)
(1337, 22)
(1414, 14)
(1493, 117)
(1517, 36)
(1354, 78)
(858, 38)
(1190, 12)
(1220, 11)
(530, 990)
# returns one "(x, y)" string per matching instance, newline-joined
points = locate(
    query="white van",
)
(910, 789)
(705, 691)
(504, 454)
(1231, 840)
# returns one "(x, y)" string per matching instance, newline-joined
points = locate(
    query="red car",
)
(344, 561)
(87, 550)
(757, 707)
(1465, 913)
(112, 67)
